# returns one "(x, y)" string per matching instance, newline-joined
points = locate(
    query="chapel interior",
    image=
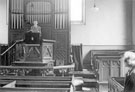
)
(71, 56)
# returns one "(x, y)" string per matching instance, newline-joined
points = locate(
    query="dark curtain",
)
(77, 56)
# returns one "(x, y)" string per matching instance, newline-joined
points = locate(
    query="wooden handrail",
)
(17, 41)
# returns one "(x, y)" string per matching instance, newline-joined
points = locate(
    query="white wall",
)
(111, 25)
(3, 22)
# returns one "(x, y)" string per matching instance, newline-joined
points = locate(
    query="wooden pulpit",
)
(37, 54)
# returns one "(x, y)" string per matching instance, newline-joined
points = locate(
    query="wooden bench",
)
(37, 78)
(34, 84)
(106, 64)
(21, 89)
(38, 84)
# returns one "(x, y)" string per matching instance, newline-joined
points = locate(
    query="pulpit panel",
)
(47, 51)
(32, 52)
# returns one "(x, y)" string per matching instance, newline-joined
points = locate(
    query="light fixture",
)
(95, 8)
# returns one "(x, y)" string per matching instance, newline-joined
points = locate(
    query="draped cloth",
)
(77, 57)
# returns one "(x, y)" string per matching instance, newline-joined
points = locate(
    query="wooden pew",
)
(95, 53)
(37, 78)
(35, 84)
(106, 64)
(20, 89)
(37, 81)
(39, 84)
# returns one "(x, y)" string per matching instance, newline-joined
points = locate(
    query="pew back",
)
(34, 89)
(35, 84)
(106, 64)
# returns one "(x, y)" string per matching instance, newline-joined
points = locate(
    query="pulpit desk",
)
(37, 54)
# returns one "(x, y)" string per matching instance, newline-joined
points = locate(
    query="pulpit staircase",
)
(20, 73)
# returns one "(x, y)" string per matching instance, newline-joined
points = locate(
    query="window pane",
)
(76, 10)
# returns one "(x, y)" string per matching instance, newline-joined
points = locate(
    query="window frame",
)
(83, 14)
